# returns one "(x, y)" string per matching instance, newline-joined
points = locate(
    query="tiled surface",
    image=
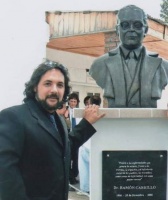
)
(127, 112)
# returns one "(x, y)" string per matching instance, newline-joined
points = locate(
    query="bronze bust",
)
(130, 75)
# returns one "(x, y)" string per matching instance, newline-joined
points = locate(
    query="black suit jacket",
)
(34, 159)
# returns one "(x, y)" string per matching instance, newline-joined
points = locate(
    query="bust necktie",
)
(132, 63)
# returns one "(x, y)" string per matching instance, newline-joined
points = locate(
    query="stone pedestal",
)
(125, 130)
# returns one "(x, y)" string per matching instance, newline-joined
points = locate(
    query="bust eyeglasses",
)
(136, 25)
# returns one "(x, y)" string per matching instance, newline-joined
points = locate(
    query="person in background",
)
(86, 100)
(73, 102)
(84, 157)
(34, 143)
(61, 111)
(95, 100)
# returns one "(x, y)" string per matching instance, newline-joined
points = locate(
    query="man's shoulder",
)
(14, 109)
(23, 107)
(13, 113)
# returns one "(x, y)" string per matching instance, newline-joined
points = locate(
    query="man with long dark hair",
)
(34, 142)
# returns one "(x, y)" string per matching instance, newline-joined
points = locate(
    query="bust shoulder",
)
(152, 54)
(100, 60)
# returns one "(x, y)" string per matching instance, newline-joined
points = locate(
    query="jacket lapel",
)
(44, 121)
(65, 132)
(145, 73)
(115, 67)
(149, 68)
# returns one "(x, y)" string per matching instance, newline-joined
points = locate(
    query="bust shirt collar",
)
(126, 51)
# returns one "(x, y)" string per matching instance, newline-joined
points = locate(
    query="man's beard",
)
(46, 106)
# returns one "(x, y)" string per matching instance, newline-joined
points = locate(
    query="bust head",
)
(131, 26)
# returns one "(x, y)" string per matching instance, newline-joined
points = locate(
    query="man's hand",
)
(91, 113)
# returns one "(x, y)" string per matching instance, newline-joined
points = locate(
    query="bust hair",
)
(132, 7)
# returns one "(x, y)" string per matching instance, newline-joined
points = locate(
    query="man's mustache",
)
(54, 96)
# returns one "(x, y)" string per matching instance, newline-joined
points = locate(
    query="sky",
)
(24, 35)
(151, 7)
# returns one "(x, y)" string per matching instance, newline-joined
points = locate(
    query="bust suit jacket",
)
(34, 158)
(146, 87)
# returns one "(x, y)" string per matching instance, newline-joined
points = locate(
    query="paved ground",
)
(77, 194)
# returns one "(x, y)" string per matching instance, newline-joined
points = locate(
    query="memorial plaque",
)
(129, 175)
